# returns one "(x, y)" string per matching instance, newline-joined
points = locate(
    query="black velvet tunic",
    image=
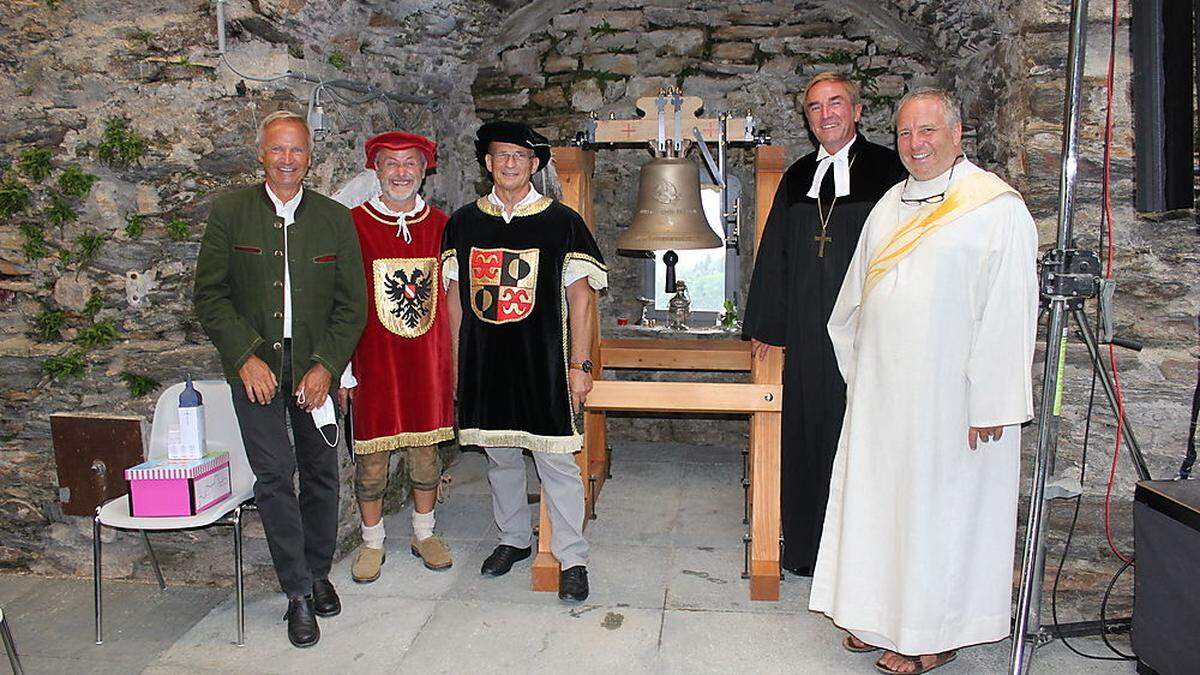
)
(513, 347)
(791, 297)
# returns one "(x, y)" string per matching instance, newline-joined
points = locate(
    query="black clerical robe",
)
(513, 344)
(791, 297)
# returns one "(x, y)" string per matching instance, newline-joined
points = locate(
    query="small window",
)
(712, 274)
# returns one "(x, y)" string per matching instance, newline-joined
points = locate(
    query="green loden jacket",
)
(238, 294)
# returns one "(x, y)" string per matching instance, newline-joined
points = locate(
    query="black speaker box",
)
(1166, 603)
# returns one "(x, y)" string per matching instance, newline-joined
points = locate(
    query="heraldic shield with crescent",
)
(406, 294)
(503, 283)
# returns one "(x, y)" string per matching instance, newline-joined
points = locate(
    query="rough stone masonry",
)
(135, 94)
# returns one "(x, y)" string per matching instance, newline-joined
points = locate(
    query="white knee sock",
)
(422, 525)
(373, 535)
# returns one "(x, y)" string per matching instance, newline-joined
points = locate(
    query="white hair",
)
(277, 116)
(950, 105)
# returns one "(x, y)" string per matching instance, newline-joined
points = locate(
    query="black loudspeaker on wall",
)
(1163, 61)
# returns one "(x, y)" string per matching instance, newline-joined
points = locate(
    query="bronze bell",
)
(669, 212)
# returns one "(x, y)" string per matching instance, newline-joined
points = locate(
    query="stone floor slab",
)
(471, 637)
(711, 579)
(371, 634)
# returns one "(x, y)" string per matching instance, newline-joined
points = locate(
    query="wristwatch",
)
(585, 366)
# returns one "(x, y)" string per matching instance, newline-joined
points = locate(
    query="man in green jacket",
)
(281, 293)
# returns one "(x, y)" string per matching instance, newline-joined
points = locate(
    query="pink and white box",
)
(165, 487)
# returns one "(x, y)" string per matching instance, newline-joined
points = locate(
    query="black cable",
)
(1104, 620)
(1087, 430)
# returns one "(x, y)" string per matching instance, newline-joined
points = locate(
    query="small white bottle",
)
(192, 442)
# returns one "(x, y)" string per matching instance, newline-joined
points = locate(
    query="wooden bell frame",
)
(761, 398)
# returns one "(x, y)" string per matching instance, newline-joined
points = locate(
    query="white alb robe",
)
(918, 544)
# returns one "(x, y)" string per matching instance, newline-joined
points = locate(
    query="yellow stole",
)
(968, 194)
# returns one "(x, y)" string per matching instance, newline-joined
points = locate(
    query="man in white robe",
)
(934, 333)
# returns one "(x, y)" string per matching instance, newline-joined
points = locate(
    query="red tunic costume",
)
(402, 362)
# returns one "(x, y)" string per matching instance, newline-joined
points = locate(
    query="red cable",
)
(1108, 274)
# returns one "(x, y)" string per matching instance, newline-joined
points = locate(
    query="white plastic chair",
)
(223, 433)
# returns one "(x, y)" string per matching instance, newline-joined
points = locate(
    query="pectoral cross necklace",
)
(824, 238)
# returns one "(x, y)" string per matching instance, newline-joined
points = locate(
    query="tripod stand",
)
(1068, 277)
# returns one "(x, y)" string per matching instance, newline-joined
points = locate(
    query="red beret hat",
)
(399, 140)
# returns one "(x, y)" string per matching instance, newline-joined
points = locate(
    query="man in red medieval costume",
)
(400, 376)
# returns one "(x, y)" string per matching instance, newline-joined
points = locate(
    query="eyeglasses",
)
(931, 199)
(518, 157)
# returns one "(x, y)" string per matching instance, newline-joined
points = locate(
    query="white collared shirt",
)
(840, 161)
(530, 198)
(402, 218)
(286, 211)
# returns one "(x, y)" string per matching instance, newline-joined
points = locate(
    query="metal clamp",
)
(1069, 274)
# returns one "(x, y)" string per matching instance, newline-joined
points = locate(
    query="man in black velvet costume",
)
(521, 271)
(807, 242)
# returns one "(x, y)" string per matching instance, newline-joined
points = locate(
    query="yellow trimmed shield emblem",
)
(406, 291)
(503, 283)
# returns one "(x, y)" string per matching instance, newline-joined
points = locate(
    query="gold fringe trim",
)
(449, 268)
(597, 273)
(532, 208)
(411, 439)
(505, 438)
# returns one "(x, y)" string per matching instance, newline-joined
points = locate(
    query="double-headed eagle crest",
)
(406, 294)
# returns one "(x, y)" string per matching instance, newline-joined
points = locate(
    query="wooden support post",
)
(765, 427)
(574, 167)
(545, 565)
(768, 172)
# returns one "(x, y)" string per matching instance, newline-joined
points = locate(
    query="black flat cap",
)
(512, 132)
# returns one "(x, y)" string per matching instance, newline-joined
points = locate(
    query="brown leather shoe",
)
(433, 551)
(366, 567)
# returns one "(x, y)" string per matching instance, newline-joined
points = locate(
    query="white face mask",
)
(324, 416)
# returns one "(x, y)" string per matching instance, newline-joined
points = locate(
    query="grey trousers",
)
(563, 492)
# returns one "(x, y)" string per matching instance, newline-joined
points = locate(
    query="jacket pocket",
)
(328, 258)
(253, 250)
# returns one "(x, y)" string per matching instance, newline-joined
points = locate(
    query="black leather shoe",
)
(302, 629)
(325, 599)
(573, 584)
(501, 560)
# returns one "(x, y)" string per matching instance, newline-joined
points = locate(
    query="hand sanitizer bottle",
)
(191, 423)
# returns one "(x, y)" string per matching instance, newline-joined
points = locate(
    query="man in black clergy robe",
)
(807, 242)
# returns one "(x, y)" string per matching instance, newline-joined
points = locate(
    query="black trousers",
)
(301, 530)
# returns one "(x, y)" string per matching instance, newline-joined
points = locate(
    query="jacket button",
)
(279, 253)
(278, 225)
(278, 284)
(278, 315)
(278, 346)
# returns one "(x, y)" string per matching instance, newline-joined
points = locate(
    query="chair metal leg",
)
(237, 570)
(162, 583)
(96, 575)
(10, 647)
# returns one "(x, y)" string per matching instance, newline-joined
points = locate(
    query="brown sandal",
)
(853, 644)
(920, 667)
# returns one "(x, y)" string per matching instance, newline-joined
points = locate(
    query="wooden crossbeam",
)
(685, 397)
(645, 354)
(645, 128)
